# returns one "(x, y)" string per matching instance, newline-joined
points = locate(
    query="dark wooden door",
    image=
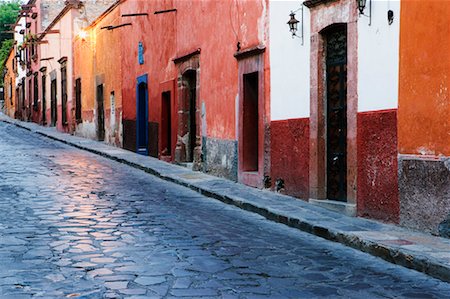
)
(336, 67)
(44, 100)
(166, 124)
(53, 107)
(100, 114)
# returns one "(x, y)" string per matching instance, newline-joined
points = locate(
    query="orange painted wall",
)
(424, 91)
(10, 92)
(99, 56)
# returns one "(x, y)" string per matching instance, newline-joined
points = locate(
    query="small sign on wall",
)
(141, 53)
(112, 99)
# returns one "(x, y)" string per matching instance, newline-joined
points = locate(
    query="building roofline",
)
(69, 6)
(7, 56)
(104, 14)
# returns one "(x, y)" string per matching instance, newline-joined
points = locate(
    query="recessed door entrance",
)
(188, 116)
(336, 111)
(53, 107)
(142, 116)
(44, 100)
(100, 113)
(166, 125)
(251, 122)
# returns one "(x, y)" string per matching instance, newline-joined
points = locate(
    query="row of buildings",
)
(343, 103)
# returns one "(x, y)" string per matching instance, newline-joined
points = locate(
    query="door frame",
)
(185, 63)
(321, 21)
(342, 118)
(101, 129)
(252, 61)
(169, 86)
(53, 102)
(142, 80)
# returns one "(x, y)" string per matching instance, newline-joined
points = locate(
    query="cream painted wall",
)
(378, 57)
(289, 62)
(19, 38)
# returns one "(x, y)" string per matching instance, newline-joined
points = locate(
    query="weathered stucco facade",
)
(192, 82)
(352, 116)
(300, 85)
(56, 63)
(423, 116)
(97, 65)
(9, 84)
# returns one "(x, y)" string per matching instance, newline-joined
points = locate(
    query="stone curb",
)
(421, 263)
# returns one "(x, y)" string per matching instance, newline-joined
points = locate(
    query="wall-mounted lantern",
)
(362, 6)
(293, 24)
(82, 35)
(390, 16)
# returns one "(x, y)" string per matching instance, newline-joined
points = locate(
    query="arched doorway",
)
(188, 123)
(142, 116)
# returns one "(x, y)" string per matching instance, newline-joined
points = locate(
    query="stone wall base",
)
(424, 185)
(220, 157)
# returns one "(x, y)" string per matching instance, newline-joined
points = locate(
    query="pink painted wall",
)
(56, 46)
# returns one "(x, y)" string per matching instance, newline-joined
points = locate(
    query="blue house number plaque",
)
(141, 53)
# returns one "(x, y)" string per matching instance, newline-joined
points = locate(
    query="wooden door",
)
(336, 67)
(100, 114)
(53, 104)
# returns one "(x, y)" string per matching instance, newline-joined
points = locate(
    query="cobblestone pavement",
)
(75, 225)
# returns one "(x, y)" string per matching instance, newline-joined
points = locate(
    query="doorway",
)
(250, 123)
(336, 112)
(142, 116)
(166, 125)
(189, 116)
(44, 100)
(100, 113)
(53, 104)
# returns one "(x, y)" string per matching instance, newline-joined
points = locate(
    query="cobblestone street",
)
(73, 224)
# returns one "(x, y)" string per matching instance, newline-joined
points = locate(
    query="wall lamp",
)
(82, 35)
(362, 6)
(293, 24)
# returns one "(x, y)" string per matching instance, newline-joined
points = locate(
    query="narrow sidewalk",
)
(418, 251)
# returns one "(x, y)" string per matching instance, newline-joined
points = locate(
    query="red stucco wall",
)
(290, 155)
(377, 193)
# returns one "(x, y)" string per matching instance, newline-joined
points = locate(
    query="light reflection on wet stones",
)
(75, 225)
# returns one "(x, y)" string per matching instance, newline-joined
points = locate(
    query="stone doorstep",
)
(391, 244)
(337, 206)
